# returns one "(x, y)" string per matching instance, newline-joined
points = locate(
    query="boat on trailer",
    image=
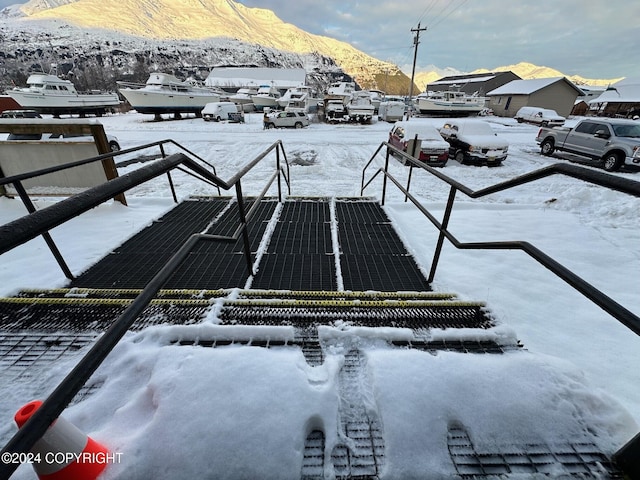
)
(164, 93)
(47, 93)
(298, 98)
(450, 103)
(360, 108)
(243, 98)
(267, 97)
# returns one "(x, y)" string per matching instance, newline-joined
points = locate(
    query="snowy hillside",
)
(109, 40)
(98, 58)
(269, 41)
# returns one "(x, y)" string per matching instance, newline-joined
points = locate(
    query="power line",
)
(437, 22)
(426, 10)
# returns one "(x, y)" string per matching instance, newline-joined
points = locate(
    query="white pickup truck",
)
(613, 142)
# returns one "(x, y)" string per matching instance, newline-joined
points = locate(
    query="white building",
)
(233, 78)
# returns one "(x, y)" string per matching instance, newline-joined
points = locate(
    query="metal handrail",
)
(630, 187)
(40, 222)
(54, 405)
(160, 143)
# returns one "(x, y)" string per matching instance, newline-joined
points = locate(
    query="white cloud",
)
(470, 34)
(592, 39)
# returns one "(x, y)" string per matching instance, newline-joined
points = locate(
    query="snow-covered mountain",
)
(206, 29)
(101, 41)
(96, 59)
(524, 70)
(527, 71)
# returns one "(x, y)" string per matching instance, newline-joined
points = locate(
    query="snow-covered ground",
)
(157, 405)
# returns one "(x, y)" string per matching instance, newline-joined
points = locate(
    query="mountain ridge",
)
(525, 70)
(201, 19)
(164, 21)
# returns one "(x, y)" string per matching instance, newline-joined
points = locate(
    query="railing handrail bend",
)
(41, 221)
(24, 439)
(630, 187)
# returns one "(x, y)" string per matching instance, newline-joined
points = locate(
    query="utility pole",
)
(416, 42)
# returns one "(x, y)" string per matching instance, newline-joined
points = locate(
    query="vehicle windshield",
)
(627, 130)
(476, 128)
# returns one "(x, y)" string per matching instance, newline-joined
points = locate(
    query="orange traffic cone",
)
(64, 451)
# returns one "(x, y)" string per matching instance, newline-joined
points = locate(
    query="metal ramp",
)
(325, 265)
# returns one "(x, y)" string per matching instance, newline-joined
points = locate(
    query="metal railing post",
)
(278, 170)
(413, 154)
(243, 223)
(171, 186)
(384, 179)
(627, 457)
(406, 195)
(441, 235)
(45, 235)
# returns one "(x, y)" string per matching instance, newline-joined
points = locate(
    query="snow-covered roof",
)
(244, 76)
(527, 87)
(453, 81)
(620, 92)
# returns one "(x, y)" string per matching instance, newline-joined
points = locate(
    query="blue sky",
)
(592, 38)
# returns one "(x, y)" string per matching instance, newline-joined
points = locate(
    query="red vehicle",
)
(422, 140)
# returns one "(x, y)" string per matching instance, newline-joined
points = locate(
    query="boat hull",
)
(167, 102)
(434, 107)
(260, 103)
(74, 103)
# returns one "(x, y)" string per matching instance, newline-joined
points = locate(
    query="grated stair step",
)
(313, 456)
(361, 455)
(576, 459)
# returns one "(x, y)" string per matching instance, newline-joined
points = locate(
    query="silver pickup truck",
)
(613, 142)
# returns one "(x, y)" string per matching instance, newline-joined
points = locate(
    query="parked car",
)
(293, 119)
(421, 140)
(20, 114)
(114, 145)
(218, 111)
(610, 142)
(540, 116)
(474, 141)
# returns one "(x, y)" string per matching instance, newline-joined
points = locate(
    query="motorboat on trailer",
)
(243, 98)
(450, 103)
(298, 98)
(51, 94)
(335, 101)
(360, 108)
(377, 96)
(165, 93)
(267, 97)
